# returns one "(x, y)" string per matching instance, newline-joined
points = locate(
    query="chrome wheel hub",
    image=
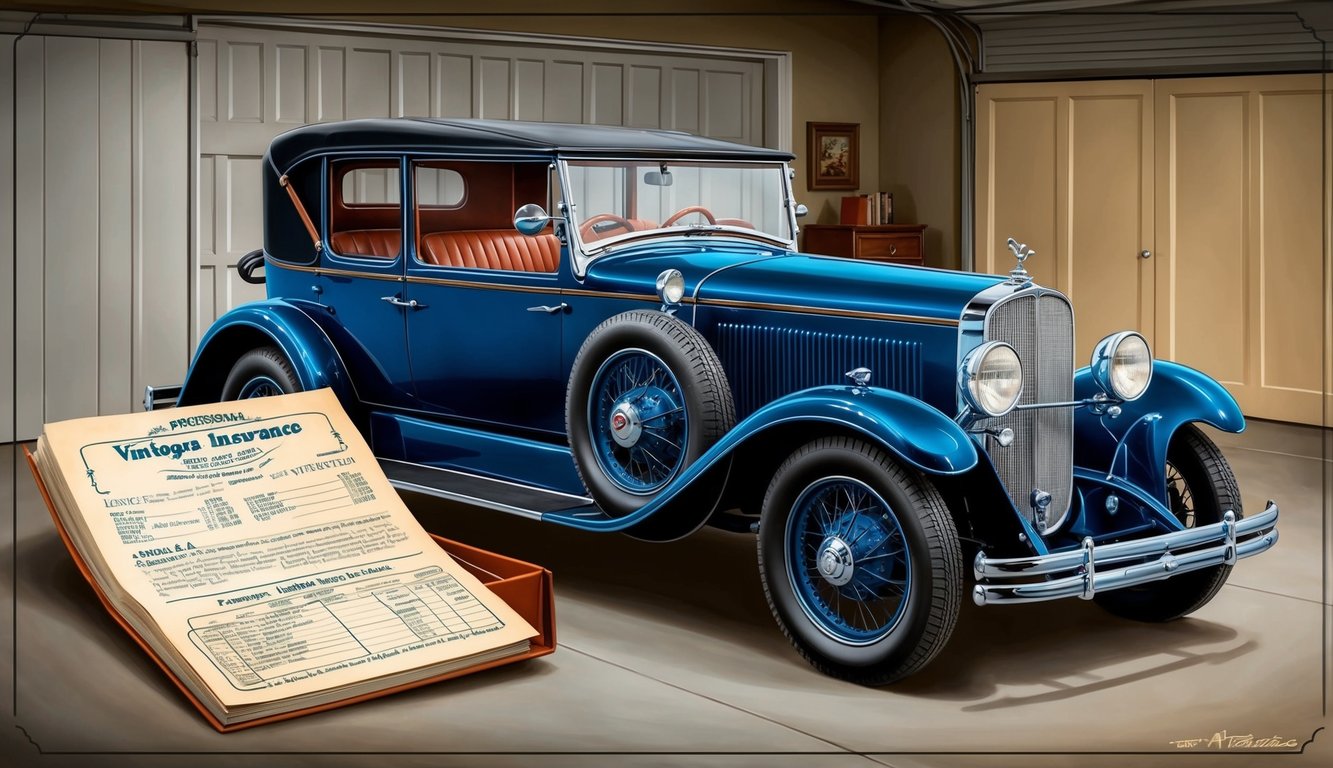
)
(626, 426)
(835, 561)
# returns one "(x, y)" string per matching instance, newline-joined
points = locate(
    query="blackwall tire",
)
(261, 372)
(887, 607)
(647, 396)
(1195, 467)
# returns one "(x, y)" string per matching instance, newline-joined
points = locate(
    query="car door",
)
(485, 314)
(360, 280)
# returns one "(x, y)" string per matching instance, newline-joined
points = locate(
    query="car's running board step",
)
(503, 495)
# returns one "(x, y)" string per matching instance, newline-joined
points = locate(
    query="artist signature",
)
(1225, 740)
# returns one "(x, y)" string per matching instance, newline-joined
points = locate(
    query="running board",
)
(501, 495)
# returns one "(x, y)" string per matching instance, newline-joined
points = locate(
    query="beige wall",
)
(919, 133)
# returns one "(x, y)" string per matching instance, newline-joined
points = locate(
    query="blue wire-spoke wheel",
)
(847, 560)
(260, 386)
(860, 560)
(638, 421)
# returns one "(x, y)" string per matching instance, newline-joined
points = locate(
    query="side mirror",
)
(531, 219)
(801, 210)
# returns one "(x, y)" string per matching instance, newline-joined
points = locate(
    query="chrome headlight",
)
(1122, 365)
(991, 379)
(671, 287)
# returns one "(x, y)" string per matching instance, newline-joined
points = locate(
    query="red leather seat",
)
(383, 243)
(492, 249)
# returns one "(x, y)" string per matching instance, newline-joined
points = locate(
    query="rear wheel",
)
(860, 561)
(261, 372)
(1200, 488)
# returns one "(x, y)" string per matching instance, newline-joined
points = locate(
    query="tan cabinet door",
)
(1068, 169)
(1218, 180)
(1241, 278)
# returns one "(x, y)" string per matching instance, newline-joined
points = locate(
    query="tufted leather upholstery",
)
(492, 249)
(384, 243)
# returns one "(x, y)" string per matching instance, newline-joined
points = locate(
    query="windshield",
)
(622, 200)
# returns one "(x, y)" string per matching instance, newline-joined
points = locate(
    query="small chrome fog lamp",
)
(991, 379)
(1122, 365)
(671, 287)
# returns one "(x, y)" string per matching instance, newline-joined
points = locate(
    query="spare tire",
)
(647, 396)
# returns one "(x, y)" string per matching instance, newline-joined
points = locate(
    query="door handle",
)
(561, 307)
(397, 302)
(1145, 254)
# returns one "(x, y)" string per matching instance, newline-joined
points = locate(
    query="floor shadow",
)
(710, 581)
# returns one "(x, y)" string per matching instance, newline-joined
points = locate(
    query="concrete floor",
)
(668, 655)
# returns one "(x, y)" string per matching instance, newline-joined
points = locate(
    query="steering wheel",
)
(590, 231)
(686, 211)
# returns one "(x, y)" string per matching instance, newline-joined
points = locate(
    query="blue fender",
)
(1132, 446)
(275, 321)
(915, 433)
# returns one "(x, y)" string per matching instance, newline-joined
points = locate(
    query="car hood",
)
(755, 276)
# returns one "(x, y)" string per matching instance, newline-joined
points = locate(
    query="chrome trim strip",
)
(944, 321)
(1171, 554)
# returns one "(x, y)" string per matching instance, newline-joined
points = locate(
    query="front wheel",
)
(261, 372)
(1200, 488)
(860, 561)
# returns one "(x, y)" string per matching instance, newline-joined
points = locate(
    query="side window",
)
(464, 213)
(365, 209)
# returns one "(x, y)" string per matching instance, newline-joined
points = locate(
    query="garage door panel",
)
(685, 100)
(369, 83)
(328, 86)
(645, 94)
(242, 82)
(453, 86)
(290, 94)
(494, 87)
(608, 87)
(115, 263)
(414, 91)
(71, 242)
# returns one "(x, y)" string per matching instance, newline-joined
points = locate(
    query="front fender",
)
(1132, 446)
(912, 431)
(313, 357)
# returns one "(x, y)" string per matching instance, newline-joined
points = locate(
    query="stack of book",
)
(867, 210)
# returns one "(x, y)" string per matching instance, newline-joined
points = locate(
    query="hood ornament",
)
(860, 378)
(1018, 275)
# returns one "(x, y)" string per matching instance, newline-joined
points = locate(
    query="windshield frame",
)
(583, 254)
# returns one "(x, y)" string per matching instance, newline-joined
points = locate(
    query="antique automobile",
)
(654, 355)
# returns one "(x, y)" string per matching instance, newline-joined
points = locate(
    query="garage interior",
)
(1169, 162)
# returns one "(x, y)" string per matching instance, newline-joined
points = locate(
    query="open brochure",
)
(258, 550)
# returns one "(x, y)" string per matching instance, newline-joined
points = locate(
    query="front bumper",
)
(1091, 569)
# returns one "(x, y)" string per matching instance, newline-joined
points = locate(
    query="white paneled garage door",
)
(256, 83)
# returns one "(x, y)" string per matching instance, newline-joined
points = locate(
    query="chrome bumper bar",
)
(157, 398)
(1090, 569)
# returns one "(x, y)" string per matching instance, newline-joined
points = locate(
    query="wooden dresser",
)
(897, 243)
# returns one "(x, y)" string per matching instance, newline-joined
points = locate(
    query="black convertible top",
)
(504, 138)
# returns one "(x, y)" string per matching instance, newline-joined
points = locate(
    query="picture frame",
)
(833, 156)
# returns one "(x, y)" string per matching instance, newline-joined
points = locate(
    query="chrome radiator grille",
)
(1040, 327)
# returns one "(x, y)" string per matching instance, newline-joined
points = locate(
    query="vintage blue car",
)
(655, 355)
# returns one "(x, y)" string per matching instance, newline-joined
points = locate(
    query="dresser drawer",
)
(888, 247)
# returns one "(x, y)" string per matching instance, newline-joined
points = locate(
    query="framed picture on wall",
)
(833, 155)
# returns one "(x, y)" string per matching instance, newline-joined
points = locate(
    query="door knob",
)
(1145, 254)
